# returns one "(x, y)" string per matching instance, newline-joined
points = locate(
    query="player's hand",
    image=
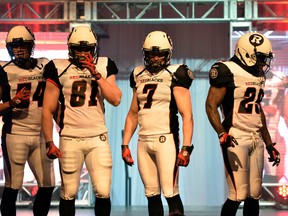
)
(52, 151)
(88, 62)
(183, 157)
(274, 154)
(23, 96)
(227, 140)
(126, 155)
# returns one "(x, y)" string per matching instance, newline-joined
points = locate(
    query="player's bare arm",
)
(3, 106)
(110, 90)
(130, 126)
(264, 131)
(21, 96)
(108, 86)
(274, 155)
(183, 100)
(131, 121)
(50, 106)
(213, 101)
(184, 104)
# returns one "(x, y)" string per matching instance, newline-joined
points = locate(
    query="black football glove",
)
(274, 154)
(227, 140)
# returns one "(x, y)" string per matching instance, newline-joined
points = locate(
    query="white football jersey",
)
(157, 106)
(244, 93)
(82, 102)
(25, 120)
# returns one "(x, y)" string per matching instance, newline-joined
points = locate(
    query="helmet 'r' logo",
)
(162, 139)
(213, 73)
(102, 137)
(256, 40)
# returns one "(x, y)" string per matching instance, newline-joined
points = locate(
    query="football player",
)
(237, 87)
(22, 87)
(160, 91)
(81, 83)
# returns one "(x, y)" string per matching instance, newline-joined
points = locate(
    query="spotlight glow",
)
(283, 191)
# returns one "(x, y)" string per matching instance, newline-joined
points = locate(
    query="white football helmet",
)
(157, 43)
(82, 39)
(254, 49)
(20, 36)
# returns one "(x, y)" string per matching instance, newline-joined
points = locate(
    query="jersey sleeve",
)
(51, 73)
(3, 76)
(132, 81)
(220, 75)
(111, 68)
(4, 86)
(183, 77)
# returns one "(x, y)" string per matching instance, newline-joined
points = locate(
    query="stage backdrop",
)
(202, 183)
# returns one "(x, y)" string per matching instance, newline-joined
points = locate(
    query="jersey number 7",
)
(149, 89)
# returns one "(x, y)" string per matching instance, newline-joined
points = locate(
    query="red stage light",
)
(283, 191)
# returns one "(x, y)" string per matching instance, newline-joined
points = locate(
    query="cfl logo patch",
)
(256, 40)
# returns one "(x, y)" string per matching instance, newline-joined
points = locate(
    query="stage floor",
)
(142, 211)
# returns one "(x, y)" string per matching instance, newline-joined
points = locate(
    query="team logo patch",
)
(190, 74)
(102, 137)
(162, 139)
(213, 73)
(256, 40)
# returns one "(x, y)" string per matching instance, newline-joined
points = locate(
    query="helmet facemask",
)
(77, 53)
(82, 42)
(157, 51)
(20, 45)
(155, 59)
(263, 61)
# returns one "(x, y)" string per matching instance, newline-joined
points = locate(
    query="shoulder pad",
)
(138, 69)
(220, 75)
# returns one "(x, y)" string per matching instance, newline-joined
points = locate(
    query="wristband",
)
(48, 144)
(124, 146)
(11, 104)
(97, 76)
(189, 149)
(14, 102)
(221, 134)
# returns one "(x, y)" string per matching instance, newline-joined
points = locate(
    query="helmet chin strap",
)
(25, 63)
(242, 59)
(76, 62)
(154, 67)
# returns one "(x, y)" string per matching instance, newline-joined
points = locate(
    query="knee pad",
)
(256, 188)
(240, 194)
